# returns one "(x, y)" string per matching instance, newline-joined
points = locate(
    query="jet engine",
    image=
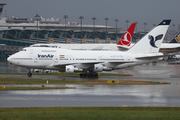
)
(72, 69)
(69, 69)
(98, 68)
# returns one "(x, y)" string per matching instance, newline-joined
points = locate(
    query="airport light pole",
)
(136, 26)
(65, 17)
(81, 17)
(37, 19)
(94, 26)
(127, 21)
(145, 26)
(106, 26)
(116, 30)
(173, 27)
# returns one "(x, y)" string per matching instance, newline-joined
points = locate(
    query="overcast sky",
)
(141, 11)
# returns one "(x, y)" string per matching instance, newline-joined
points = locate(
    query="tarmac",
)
(166, 95)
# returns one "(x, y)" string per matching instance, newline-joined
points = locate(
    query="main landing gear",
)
(29, 73)
(94, 74)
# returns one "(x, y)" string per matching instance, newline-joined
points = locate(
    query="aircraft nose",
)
(9, 59)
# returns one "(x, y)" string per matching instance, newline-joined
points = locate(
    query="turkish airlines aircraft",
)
(70, 61)
(123, 44)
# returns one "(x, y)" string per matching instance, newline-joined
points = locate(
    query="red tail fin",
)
(126, 39)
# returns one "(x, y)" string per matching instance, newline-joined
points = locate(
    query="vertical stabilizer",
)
(176, 38)
(152, 41)
(127, 37)
(1, 7)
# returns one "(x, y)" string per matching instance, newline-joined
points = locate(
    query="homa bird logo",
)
(126, 39)
(153, 41)
(45, 56)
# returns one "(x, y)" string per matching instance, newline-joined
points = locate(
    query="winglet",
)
(127, 37)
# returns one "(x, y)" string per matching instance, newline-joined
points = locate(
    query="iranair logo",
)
(153, 40)
(127, 39)
(178, 38)
(45, 56)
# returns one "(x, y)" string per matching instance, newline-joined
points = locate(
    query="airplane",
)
(91, 62)
(123, 43)
(172, 46)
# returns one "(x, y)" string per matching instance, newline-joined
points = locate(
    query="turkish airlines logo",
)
(153, 40)
(126, 40)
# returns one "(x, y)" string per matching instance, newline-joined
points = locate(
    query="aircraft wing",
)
(64, 64)
(89, 64)
(151, 57)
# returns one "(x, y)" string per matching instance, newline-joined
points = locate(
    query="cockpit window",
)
(23, 49)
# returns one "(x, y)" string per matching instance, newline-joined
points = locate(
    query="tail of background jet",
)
(125, 41)
(152, 41)
(176, 38)
(1, 7)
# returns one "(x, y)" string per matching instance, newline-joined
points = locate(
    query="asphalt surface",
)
(102, 95)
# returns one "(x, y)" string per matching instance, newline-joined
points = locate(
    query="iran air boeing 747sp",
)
(70, 61)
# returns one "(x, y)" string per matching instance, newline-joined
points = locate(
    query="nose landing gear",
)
(29, 73)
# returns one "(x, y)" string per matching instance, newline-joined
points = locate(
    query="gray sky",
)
(142, 11)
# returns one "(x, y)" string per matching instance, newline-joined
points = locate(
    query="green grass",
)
(65, 74)
(34, 88)
(4, 81)
(91, 113)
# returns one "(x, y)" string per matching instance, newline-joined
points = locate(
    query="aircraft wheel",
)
(96, 75)
(29, 74)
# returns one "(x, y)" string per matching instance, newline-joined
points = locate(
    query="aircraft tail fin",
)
(152, 41)
(176, 38)
(127, 37)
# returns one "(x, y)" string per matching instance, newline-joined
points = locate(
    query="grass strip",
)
(91, 82)
(34, 88)
(91, 113)
(65, 74)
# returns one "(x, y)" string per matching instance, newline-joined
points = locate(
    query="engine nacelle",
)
(107, 69)
(98, 68)
(69, 69)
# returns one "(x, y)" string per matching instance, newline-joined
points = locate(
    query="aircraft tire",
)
(29, 74)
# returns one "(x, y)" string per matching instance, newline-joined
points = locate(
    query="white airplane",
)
(123, 43)
(70, 61)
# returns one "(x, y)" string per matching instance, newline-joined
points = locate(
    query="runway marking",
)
(3, 77)
(125, 105)
(2, 86)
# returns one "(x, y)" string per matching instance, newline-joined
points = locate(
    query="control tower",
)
(1, 7)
